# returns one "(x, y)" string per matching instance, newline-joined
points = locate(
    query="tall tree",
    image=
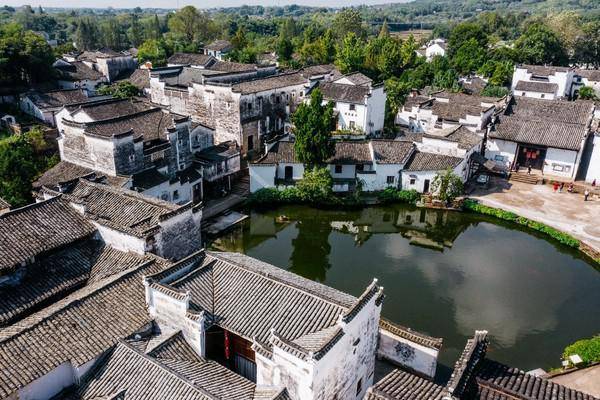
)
(385, 30)
(135, 31)
(350, 55)
(189, 23)
(540, 45)
(312, 129)
(346, 21)
(464, 32)
(587, 46)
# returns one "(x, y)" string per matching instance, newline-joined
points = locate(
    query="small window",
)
(523, 94)
(413, 181)
(542, 96)
(360, 167)
(359, 387)
(131, 157)
(249, 106)
(352, 107)
(277, 99)
(175, 194)
(498, 157)
(338, 169)
(390, 179)
(352, 125)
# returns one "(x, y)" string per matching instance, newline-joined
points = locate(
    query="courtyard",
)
(565, 211)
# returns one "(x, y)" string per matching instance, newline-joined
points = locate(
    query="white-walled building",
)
(435, 47)
(586, 77)
(218, 49)
(45, 105)
(542, 82)
(376, 164)
(78, 75)
(110, 63)
(359, 105)
(549, 136)
(443, 110)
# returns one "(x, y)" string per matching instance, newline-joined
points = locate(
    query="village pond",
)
(444, 273)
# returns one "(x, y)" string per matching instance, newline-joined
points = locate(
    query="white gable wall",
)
(593, 171)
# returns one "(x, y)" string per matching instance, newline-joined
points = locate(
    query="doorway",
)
(530, 155)
(426, 186)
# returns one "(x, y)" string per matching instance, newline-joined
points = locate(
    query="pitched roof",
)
(190, 59)
(356, 78)
(59, 273)
(4, 204)
(351, 152)
(140, 78)
(391, 151)
(228, 66)
(148, 124)
(62, 172)
(38, 228)
(458, 134)
(535, 86)
(344, 92)
(402, 385)
(346, 152)
(121, 209)
(454, 111)
(543, 70)
(590, 74)
(219, 45)
(111, 108)
(78, 71)
(234, 286)
(75, 329)
(552, 123)
(498, 381)
(57, 98)
(93, 55)
(421, 161)
(269, 83)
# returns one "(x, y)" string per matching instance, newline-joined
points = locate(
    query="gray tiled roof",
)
(233, 286)
(77, 328)
(38, 228)
(552, 123)
(392, 151)
(121, 209)
(62, 172)
(111, 108)
(402, 385)
(357, 78)
(228, 66)
(458, 134)
(269, 83)
(57, 98)
(190, 59)
(140, 78)
(4, 204)
(351, 152)
(78, 71)
(543, 70)
(344, 93)
(591, 74)
(61, 272)
(496, 381)
(535, 86)
(413, 336)
(421, 161)
(454, 111)
(219, 45)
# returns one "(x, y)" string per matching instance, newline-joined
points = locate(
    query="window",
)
(250, 143)
(338, 169)
(390, 179)
(175, 194)
(413, 181)
(289, 173)
(523, 94)
(131, 157)
(360, 167)
(359, 387)
(249, 106)
(498, 157)
(542, 96)
(352, 107)
(352, 124)
(277, 99)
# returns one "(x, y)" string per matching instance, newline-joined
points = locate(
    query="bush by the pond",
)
(587, 349)
(562, 237)
(392, 195)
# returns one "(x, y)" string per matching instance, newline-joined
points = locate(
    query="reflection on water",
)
(444, 273)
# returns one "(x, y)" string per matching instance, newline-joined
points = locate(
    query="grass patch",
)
(587, 349)
(561, 237)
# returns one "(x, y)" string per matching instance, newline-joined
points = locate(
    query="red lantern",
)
(227, 344)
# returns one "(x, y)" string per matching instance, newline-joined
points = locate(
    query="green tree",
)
(447, 185)
(463, 33)
(312, 129)
(120, 90)
(154, 51)
(385, 30)
(285, 49)
(495, 91)
(86, 36)
(350, 55)
(348, 21)
(190, 23)
(469, 57)
(135, 32)
(239, 41)
(540, 45)
(24, 56)
(587, 46)
(587, 93)
(316, 185)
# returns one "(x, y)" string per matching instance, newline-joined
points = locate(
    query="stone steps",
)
(525, 178)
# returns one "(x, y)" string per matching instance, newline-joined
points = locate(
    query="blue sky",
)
(181, 3)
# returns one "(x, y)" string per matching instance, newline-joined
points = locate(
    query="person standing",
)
(586, 194)
(529, 169)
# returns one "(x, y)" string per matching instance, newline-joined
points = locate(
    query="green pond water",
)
(444, 273)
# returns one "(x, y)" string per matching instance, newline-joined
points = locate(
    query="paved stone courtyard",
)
(564, 211)
(587, 380)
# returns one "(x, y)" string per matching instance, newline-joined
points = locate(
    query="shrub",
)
(447, 186)
(587, 349)
(392, 195)
(561, 237)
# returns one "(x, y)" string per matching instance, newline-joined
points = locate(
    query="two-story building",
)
(542, 82)
(111, 64)
(78, 75)
(218, 49)
(358, 103)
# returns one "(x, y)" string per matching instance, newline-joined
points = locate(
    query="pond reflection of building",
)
(428, 228)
